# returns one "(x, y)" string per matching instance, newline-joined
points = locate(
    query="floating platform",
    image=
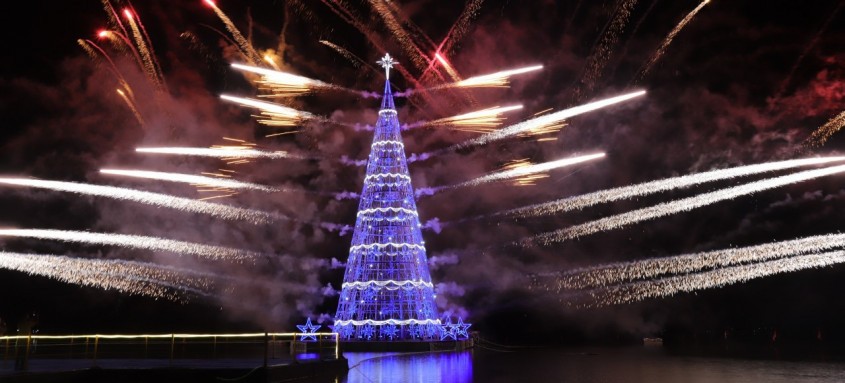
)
(406, 346)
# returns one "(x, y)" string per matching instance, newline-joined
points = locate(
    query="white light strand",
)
(386, 209)
(385, 245)
(397, 284)
(384, 322)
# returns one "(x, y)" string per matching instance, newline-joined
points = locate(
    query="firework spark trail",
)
(135, 242)
(133, 278)
(146, 56)
(711, 279)
(617, 273)
(121, 43)
(114, 20)
(225, 153)
(243, 44)
(411, 49)
(272, 114)
(190, 179)
(668, 40)
(822, 134)
(153, 57)
(678, 206)
(459, 29)
(493, 80)
(652, 187)
(634, 30)
(448, 67)
(282, 83)
(112, 67)
(520, 170)
(600, 54)
(536, 124)
(813, 42)
(480, 121)
(89, 50)
(149, 198)
(132, 107)
(356, 61)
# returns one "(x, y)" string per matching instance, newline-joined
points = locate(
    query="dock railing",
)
(167, 350)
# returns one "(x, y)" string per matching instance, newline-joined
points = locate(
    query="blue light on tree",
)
(387, 292)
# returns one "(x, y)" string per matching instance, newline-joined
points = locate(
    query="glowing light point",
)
(387, 63)
(308, 330)
(103, 34)
(210, 3)
(127, 13)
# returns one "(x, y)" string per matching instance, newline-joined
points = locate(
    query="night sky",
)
(742, 83)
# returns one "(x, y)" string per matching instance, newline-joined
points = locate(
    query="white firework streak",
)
(677, 206)
(616, 273)
(545, 120)
(275, 114)
(498, 79)
(668, 40)
(190, 179)
(282, 81)
(481, 121)
(135, 278)
(149, 198)
(530, 169)
(135, 242)
(651, 187)
(227, 153)
(711, 279)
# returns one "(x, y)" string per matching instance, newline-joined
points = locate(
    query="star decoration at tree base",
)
(308, 330)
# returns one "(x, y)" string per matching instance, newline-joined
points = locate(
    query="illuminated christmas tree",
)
(387, 292)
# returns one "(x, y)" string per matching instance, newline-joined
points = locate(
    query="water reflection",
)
(446, 367)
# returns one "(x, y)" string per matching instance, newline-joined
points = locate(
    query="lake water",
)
(607, 365)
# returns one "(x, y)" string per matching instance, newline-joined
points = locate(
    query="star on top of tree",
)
(387, 63)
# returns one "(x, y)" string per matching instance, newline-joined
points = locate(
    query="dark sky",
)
(744, 82)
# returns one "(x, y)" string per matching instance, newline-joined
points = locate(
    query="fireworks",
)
(527, 169)
(601, 51)
(647, 188)
(821, 135)
(282, 83)
(135, 242)
(202, 181)
(149, 198)
(228, 153)
(617, 273)
(520, 173)
(401, 35)
(677, 206)
(151, 66)
(272, 114)
(543, 122)
(134, 278)
(356, 61)
(131, 106)
(493, 80)
(480, 121)
(668, 40)
(247, 50)
(711, 279)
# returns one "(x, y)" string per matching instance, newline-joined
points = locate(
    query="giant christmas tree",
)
(387, 292)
